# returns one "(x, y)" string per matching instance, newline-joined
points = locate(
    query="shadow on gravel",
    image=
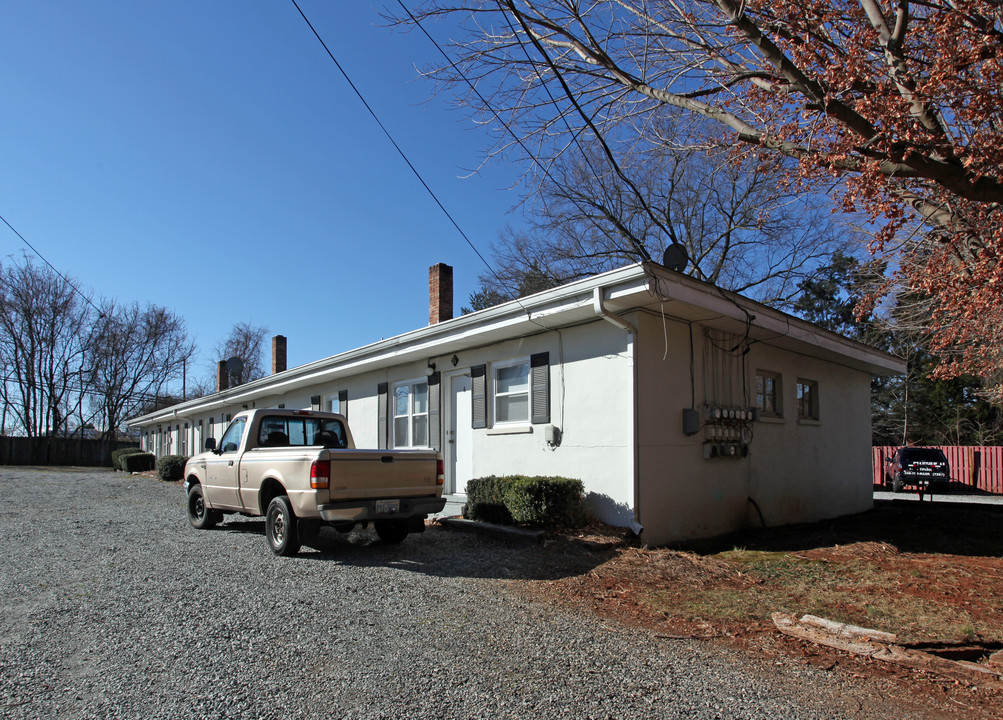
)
(440, 553)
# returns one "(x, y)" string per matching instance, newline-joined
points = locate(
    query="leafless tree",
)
(897, 102)
(136, 354)
(614, 175)
(740, 227)
(44, 339)
(247, 342)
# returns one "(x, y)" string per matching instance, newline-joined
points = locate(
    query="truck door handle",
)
(230, 463)
(387, 458)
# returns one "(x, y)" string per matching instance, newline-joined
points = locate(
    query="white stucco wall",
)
(591, 381)
(796, 471)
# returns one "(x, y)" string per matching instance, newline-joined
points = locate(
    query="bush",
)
(545, 501)
(171, 467)
(117, 455)
(138, 462)
(486, 500)
(541, 501)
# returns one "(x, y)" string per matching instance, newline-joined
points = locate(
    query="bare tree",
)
(44, 339)
(135, 355)
(897, 101)
(739, 225)
(247, 342)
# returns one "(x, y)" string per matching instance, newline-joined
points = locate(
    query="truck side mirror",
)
(210, 443)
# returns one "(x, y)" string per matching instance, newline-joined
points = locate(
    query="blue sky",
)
(209, 157)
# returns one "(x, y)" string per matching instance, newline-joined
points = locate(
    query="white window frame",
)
(411, 414)
(528, 392)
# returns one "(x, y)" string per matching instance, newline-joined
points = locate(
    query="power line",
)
(53, 267)
(519, 141)
(389, 136)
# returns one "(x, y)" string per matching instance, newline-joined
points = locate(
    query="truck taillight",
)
(320, 474)
(440, 472)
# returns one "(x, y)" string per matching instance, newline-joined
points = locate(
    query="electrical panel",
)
(727, 431)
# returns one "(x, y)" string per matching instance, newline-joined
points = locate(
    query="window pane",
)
(420, 436)
(513, 379)
(512, 408)
(401, 400)
(421, 398)
(400, 432)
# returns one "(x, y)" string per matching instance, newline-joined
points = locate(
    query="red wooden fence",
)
(977, 466)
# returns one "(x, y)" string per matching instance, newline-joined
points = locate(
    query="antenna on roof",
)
(675, 257)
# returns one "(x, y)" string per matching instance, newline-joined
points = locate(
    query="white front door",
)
(459, 437)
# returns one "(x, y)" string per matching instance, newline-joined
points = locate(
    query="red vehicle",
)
(917, 467)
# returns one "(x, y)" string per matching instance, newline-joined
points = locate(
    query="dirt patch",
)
(931, 573)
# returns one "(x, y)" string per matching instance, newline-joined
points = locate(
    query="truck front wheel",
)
(280, 527)
(391, 531)
(199, 515)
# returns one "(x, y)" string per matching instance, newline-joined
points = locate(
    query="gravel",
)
(114, 607)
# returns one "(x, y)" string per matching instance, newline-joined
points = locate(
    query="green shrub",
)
(541, 501)
(138, 462)
(171, 467)
(486, 501)
(117, 455)
(545, 501)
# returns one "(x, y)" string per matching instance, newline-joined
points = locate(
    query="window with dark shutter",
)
(382, 392)
(343, 402)
(478, 397)
(540, 378)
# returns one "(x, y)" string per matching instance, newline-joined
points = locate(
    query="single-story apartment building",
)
(688, 411)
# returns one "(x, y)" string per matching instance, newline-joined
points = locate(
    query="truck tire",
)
(391, 531)
(201, 517)
(280, 527)
(897, 484)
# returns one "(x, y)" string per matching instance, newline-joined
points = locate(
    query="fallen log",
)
(860, 641)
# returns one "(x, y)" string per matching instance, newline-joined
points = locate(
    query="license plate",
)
(387, 506)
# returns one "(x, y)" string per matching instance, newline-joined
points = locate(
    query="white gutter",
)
(601, 311)
(538, 310)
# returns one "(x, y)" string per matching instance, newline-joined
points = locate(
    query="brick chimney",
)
(278, 354)
(222, 376)
(440, 293)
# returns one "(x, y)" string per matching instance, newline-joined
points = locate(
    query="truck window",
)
(231, 440)
(275, 431)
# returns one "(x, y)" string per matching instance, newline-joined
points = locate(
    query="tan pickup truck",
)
(300, 469)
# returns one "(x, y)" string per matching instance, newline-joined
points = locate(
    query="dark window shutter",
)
(315, 402)
(539, 365)
(343, 402)
(478, 397)
(382, 391)
(434, 429)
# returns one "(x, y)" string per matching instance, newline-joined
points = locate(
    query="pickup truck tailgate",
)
(379, 474)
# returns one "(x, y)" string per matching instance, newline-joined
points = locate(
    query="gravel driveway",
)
(113, 607)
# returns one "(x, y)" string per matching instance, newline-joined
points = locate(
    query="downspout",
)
(601, 311)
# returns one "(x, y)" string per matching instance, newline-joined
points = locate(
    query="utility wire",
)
(389, 136)
(501, 121)
(42, 257)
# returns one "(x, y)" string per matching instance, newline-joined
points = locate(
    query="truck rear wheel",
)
(391, 531)
(280, 527)
(199, 515)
